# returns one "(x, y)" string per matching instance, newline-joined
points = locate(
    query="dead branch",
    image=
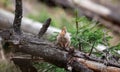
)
(54, 55)
(95, 59)
(98, 67)
(44, 27)
(18, 17)
(48, 52)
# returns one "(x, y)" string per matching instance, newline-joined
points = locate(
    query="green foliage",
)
(69, 25)
(6, 3)
(41, 17)
(58, 22)
(88, 34)
(53, 37)
(114, 50)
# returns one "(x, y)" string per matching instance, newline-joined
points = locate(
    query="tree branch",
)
(48, 52)
(44, 27)
(91, 50)
(18, 17)
(29, 44)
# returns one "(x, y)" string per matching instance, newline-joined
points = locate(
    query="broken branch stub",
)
(18, 17)
(44, 27)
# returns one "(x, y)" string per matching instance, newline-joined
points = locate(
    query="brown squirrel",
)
(63, 38)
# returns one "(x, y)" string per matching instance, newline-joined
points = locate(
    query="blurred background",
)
(90, 22)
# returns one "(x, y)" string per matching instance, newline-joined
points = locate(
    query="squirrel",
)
(63, 38)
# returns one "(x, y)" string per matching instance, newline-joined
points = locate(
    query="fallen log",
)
(37, 47)
(98, 67)
(34, 46)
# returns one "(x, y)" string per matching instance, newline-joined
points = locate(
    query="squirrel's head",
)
(63, 31)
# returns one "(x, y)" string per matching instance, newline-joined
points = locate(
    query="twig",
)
(91, 49)
(80, 45)
(44, 27)
(96, 59)
(18, 17)
(76, 21)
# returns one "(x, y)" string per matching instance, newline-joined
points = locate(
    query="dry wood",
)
(54, 55)
(18, 17)
(98, 67)
(44, 27)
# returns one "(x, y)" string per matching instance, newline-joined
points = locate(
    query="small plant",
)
(114, 50)
(87, 35)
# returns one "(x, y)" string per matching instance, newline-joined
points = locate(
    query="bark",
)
(37, 47)
(44, 27)
(98, 67)
(18, 17)
(55, 55)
